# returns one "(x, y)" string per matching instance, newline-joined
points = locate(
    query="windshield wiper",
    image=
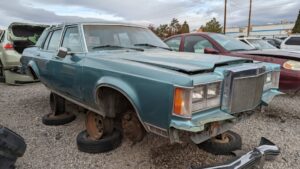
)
(116, 46)
(150, 45)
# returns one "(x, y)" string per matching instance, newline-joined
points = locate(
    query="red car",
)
(213, 43)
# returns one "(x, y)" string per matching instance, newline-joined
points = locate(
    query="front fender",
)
(123, 87)
(31, 64)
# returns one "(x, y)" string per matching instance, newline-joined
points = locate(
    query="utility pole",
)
(225, 16)
(249, 19)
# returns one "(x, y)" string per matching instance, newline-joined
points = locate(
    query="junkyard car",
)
(127, 78)
(257, 43)
(213, 43)
(292, 42)
(13, 41)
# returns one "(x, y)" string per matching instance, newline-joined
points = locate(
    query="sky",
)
(145, 12)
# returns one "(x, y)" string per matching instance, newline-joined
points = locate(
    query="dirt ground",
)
(22, 107)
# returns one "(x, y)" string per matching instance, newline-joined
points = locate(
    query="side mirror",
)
(62, 52)
(210, 51)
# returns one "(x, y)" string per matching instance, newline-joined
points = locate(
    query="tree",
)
(152, 28)
(163, 31)
(185, 28)
(174, 27)
(167, 30)
(212, 26)
(296, 28)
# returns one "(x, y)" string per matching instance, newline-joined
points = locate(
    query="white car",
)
(291, 43)
(257, 43)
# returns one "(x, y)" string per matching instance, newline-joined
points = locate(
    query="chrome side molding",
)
(256, 158)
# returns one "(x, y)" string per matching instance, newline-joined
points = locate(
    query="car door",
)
(67, 71)
(43, 56)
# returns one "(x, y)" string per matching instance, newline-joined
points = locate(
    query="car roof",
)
(98, 23)
(294, 35)
(192, 33)
(249, 38)
(200, 33)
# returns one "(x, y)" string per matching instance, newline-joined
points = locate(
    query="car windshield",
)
(260, 44)
(230, 43)
(116, 37)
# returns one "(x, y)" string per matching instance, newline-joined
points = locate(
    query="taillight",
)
(8, 46)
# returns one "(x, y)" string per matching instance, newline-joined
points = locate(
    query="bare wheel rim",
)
(223, 138)
(94, 125)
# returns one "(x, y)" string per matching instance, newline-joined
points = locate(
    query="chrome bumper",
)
(253, 159)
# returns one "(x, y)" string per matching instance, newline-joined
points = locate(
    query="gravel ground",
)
(21, 109)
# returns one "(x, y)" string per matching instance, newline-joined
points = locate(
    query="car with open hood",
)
(214, 43)
(13, 41)
(128, 80)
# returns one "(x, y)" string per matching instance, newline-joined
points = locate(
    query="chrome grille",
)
(246, 93)
(243, 89)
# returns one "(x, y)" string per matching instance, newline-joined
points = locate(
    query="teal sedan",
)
(125, 77)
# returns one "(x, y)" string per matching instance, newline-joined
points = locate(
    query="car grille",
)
(243, 89)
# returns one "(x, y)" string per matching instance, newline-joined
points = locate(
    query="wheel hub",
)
(223, 138)
(94, 126)
(132, 128)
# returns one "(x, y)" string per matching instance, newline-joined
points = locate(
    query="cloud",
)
(196, 12)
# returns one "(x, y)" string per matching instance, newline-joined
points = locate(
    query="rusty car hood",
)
(284, 54)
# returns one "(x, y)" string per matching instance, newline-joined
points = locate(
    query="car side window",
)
(174, 43)
(293, 41)
(54, 41)
(46, 43)
(72, 39)
(196, 44)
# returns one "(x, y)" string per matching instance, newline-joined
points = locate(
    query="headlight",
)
(182, 102)
(206, 96)
(272, 80)
(292, 65)
(198, 94)
(269, 78)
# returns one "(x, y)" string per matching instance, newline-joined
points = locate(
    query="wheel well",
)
(32, 73)
(113, 102)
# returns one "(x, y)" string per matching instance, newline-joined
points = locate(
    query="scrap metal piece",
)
(253, 159)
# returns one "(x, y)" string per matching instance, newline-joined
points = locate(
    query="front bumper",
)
(255, 158)
(268, 96)
(207, 124)
(12, 77)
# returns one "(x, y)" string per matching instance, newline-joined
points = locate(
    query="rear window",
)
(293, 41)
